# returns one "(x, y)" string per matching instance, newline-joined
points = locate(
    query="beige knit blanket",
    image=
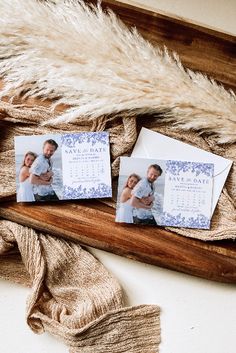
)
(73, 296)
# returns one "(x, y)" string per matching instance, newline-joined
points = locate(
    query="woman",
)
(25, 192)
(125, 211)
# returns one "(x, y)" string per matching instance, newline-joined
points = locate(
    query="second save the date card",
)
(165, 192)
(63, 166)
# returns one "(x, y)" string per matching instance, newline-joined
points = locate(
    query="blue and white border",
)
(70, 140)
(100, 191)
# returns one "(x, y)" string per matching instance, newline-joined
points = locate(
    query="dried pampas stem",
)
(80, 56)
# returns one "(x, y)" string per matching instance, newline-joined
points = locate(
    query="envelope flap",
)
(151, 144)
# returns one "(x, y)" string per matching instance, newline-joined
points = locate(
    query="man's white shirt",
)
(40, 166)
(143, 189)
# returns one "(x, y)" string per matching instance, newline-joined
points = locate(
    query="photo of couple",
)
(34, 171)
(139, 197)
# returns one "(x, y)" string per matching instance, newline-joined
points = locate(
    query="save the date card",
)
(165, 192)
(63, 166)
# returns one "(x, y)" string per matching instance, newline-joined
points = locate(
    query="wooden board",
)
(92, 223)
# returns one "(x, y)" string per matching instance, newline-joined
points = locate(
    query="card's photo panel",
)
(38, 168)
(140, 195)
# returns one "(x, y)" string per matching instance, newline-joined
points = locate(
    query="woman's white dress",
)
(25, 191)
(125, 212)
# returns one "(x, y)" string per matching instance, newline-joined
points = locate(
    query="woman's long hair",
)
(131, 176)
(29, 153)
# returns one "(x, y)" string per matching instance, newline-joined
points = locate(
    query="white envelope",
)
(151, 144)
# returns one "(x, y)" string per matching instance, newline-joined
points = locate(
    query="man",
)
(41, 173)
(143, 196)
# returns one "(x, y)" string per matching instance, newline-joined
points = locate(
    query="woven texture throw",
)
(73, 296)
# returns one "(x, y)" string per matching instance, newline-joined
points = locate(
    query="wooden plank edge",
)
(192, 259)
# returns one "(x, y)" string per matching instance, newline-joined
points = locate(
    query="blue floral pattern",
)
(102, 190)
(188, 173)
(199, 221)
(70, 140)
(175, 167)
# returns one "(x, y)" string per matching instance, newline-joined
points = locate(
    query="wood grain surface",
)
(92, 222)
